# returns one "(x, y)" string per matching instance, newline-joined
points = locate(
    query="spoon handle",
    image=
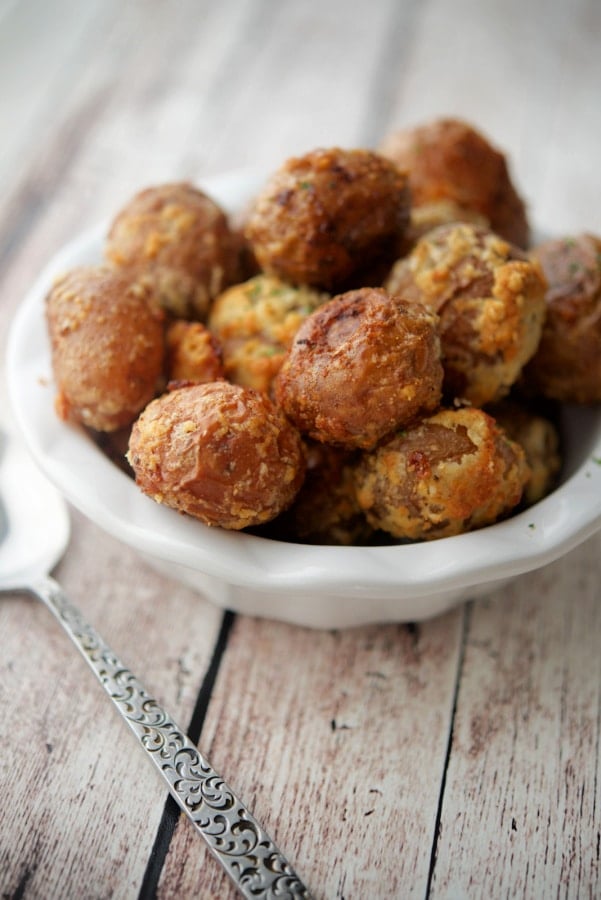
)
(233, 835)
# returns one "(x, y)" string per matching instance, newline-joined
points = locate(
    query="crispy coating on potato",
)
(306, 345)
(567, 363)
(451, 473)
(107, 340)
(255, 323)
(431, 215)
(181, 242)
(325, 510)
(449, 160)
(363, 364)
(193, 354)
(538, 435)
(325, 216)
(217, 451)
(491, 301)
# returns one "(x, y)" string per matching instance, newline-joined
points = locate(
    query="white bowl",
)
(315, 586)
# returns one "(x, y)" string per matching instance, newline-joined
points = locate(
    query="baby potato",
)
(325, 510)
(448, 160)
(217, 451)
(491, 302)
(361, 365)
(325, 216)
(451, 473)
(107, 339)
(429, 216)
(567, 363)
(255, 324)
(538, 435)
(193, 354)
(181, 242)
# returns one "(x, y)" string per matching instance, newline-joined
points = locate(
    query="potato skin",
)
(217, 451)
(452, 472)
(255, 323)
(360, 366)
(538, 435)
(325, 216)
(181, 242)
(491, 301)
(567, 364)
(107, 340)
(449, 160)
(325, 510)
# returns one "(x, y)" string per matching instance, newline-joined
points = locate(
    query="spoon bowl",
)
(34, 522)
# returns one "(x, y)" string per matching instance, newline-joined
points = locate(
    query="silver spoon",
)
(34, 533)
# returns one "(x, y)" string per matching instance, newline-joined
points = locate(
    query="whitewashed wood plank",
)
(522, 805)
(44, 47)
(528, 75)
(338, 742)
(88, 801)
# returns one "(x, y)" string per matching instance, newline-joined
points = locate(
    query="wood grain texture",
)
(88, 802)
(333, 736)
(458, 759)
(523, 791)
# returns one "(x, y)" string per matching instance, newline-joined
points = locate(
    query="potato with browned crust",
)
(328, 215)
(538, 435)
(193, 353)
(451, 473)
(107, 340)
(325, 510)
(491, 302)
(448, 160)
(180, 240)
(217, 451)
(255, 323)
(567, 363)
(432, 215)
(363, 364)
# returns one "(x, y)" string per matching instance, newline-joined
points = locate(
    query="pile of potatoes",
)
(373, 355)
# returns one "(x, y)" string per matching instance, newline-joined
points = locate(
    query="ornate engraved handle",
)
(234, 836)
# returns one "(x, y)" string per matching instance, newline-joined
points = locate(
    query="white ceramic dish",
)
(320, 587)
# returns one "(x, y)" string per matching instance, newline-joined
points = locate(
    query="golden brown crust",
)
(107, 342)
(324, 216)
(220, 452)
(360, 366)
(325, 510)
(449, 160)
(431, 215)
(538, 435)
(193, 354)
(490, 299)
(255, 324)
(567, 364)
(450, 473)
(178, 239)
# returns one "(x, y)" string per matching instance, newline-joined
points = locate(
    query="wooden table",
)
(459, 757)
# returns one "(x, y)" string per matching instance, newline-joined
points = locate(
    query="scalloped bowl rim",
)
(67, 455)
